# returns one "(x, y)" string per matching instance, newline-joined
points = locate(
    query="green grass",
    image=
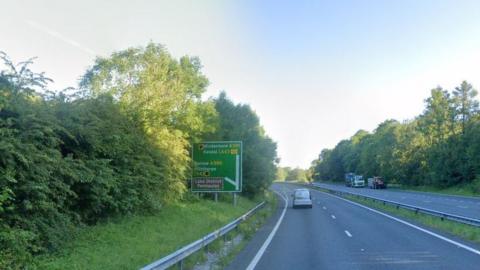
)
(462, 190)
(248, 228)
(135, 241)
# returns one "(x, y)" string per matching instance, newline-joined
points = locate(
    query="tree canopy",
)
(438, 147)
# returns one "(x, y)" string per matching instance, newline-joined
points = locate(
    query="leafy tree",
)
(282, 173)
(240, 123)
(437, 122)
(162, 96)
(410, 154)
(297, 174)
(465, 104)
(322, 169)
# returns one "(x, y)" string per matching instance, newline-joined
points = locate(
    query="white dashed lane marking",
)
(348, 233)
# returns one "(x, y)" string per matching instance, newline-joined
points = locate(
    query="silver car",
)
(302, 198)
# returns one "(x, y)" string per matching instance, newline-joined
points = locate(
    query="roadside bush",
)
(118, 146)
(476, 185)
(64, 163)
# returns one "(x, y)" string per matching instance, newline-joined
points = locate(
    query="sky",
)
(314, 71)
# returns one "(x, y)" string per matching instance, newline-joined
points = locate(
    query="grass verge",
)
(248, 228)
(245, 230)
(472, 189)
(134, 241)
(463, 231)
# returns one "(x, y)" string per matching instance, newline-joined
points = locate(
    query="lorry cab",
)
(358, 181)
(349, 179)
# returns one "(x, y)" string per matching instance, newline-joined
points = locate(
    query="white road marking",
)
(462, 206)
(324, 208)
(427, 201)
(333, 217)
(460, 245)
(262, 249)
(348, 233)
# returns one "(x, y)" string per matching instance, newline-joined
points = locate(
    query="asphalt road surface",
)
(457, 205)
(337, 234)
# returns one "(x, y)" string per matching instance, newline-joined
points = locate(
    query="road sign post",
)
(217, 166)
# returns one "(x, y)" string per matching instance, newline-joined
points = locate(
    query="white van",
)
(302, 198)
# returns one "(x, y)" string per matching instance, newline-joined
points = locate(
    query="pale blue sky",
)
(314, 71)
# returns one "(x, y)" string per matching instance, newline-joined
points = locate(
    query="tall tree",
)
(297, 174)
(465, 104)
(437, 121)
(282, 173)
(162, 96)
(239, 122)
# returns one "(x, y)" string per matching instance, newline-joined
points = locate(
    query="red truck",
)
(376, 182)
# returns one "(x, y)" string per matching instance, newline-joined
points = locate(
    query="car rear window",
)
(302, 194)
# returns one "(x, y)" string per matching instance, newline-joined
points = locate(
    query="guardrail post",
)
(180, 265)
(416, 211)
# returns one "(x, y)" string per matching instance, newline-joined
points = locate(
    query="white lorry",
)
(358, 181)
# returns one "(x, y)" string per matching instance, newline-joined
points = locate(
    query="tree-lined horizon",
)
(440, 147)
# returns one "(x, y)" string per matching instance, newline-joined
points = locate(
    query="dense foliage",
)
(118, 145)
(239, 122)
(295, 174)
(440, 147)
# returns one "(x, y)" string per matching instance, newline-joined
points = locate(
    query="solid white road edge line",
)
(460, 245)
(348, 233)
(262, 249)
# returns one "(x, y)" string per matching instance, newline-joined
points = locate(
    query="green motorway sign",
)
(217, 166)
